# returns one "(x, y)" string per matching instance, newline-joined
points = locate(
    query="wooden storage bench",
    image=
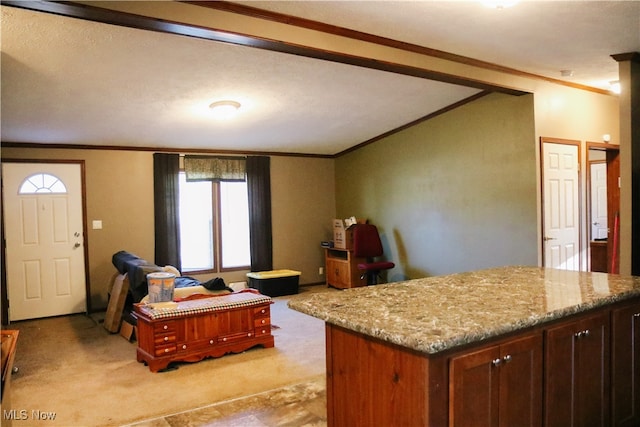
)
(190, 331)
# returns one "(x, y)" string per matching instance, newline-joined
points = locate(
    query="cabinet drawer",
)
(164, 327)
(235, 337)
(261, 322)
(161, 339)
(261, 312)
(263, 330)
(165, 350)
(197, 345)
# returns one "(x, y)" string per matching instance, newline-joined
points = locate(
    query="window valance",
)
(209, 168)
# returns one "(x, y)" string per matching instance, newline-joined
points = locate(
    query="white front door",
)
(599, 228)
(44, 239)
(561, 206)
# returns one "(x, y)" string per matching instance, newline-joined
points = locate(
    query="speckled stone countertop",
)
(435, 314)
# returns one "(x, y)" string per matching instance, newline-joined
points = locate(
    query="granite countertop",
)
(435, 314)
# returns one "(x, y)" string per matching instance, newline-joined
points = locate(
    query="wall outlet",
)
(321, 271)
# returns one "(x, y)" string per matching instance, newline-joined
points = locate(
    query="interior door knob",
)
(77, 245)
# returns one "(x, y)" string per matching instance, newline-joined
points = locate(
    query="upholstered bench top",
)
(204, 305)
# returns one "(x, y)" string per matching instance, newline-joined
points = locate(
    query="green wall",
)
(454, 193)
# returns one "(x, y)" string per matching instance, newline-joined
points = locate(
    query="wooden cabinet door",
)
(625, 363)
(473, 387)
(577, 372)
(521, 382)
(498, 386)
(337, 273)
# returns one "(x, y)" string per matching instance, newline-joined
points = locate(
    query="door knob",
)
(77, 245)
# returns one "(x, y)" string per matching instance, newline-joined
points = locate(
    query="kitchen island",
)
(503, 346)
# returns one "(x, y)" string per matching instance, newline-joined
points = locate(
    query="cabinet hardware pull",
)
(582, 334)
(496, 362)
(636, 315)
(507, 358)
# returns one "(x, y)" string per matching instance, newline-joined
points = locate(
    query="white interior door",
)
(561, 206)
(599, 201)
(44, 239)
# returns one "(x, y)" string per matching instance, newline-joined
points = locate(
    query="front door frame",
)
(3, 285)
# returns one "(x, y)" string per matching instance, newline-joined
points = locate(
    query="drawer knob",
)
(582, 334)
(496, 362)
(166, 350)
(165, 327)
(264, 332)
(263, 322)
(224, 339)
(184, 346)
(166, 338)
(249, 334)
(507, 358)
(264, 311)
(210, 341)
(636, 315)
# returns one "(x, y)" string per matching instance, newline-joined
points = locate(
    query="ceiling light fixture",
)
(566, 73)
(224, 109)
(614, 86)
(499, 4)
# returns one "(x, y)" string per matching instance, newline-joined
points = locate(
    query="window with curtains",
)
(214, 215)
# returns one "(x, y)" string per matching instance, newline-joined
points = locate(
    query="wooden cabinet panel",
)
(342, 269)
(474, 388)
(521, 382)
(577, 372)
(374, 383)
(625, 365)
(499, 385)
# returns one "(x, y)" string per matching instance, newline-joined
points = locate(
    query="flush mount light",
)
(566, 73)
(614, 86)
(499, 4)
(224, 109)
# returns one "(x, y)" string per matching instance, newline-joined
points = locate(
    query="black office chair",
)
(367, 244)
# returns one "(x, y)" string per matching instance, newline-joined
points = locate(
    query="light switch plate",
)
(97, 224)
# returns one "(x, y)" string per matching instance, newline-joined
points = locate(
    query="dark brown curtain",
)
(259, 191)
(166, 169)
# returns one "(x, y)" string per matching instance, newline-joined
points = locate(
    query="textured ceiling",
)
(70, 81)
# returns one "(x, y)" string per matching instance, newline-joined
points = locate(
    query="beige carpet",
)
(72, 368)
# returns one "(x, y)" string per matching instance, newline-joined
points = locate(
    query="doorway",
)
(44, 227)
(560, 160)
(604, 255)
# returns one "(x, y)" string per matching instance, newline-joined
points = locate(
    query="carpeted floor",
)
(72, 368)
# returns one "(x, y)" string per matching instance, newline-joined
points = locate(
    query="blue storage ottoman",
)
(275, 283)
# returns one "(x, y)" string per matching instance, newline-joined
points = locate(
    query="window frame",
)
(217, 236)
